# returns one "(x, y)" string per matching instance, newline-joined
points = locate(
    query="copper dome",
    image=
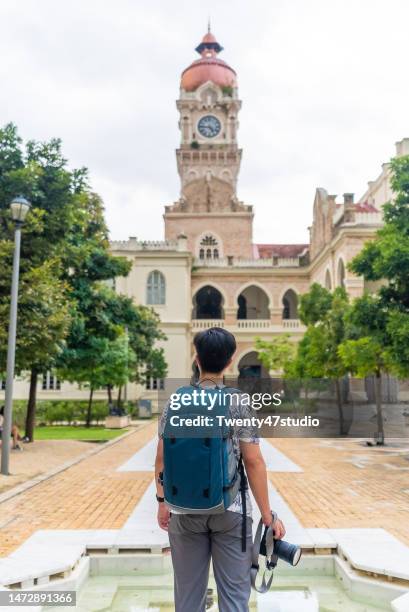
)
(208, 68)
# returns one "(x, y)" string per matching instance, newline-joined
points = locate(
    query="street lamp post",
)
(19, 208)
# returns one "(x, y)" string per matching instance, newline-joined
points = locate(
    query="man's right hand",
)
(163, 516)
(277, 526)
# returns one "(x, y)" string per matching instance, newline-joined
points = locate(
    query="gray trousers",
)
(197, 538)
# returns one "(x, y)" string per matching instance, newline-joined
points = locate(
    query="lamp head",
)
(19, 208)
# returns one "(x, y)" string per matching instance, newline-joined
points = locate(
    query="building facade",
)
(208, 270)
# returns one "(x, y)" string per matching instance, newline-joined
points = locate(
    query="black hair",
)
(214, 348)
(2, 410)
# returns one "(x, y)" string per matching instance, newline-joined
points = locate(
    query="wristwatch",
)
(160, 499)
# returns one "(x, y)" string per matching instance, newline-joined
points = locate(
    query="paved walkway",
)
(342, 484)
(347, 484)
(91, 494)
(41, 457)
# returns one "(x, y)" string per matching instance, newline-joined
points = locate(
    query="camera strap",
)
(263, 545)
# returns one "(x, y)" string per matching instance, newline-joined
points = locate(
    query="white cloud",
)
(324, 88)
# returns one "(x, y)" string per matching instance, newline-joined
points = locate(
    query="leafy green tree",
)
(387, 257)
(118, 364)
(101, 362)
(43, 322)
(367, 352)
(100, 316)
(75, 318)
(300, 371)
(112, 341)
(324, 314)
(380, 338)
(292, 359)
(298, 368)
(398, 336)
(314, 305)
(276, 354)
(39, 171)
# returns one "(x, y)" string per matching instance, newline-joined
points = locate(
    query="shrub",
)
(50, 412)
(55, 413)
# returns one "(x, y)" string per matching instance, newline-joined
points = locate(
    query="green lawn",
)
(66, 432)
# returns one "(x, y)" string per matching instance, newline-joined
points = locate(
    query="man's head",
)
(214, 348)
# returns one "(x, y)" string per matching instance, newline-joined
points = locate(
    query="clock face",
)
(209, 126)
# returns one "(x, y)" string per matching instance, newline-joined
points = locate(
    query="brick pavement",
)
(344, 484)
(89, 495)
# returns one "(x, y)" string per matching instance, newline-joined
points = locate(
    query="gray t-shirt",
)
(237, 410)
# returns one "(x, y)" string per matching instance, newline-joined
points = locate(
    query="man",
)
(197, 538)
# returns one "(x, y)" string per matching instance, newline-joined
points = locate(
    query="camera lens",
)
(297, 556)
(287, 552)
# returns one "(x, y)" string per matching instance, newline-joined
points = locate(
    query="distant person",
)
(15, 433)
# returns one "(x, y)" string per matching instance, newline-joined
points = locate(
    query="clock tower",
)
(208, 211)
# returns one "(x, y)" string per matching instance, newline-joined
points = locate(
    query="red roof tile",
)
(365, 207)
(266, 251)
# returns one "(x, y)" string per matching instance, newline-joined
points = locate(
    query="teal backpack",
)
(201, 472)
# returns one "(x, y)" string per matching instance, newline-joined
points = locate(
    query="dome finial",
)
(209, 43)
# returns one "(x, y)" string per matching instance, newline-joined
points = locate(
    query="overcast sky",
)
(324, 84)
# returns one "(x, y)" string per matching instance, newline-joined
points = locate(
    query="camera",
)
(272, 549)
(290, 553)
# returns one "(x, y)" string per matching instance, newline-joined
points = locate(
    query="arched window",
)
(156, 288)
(290, 305)
(208, 304)
(209, 247)
(208, 241)
(253, 303)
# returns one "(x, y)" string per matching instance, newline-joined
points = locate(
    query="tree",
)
(277, 353)
(111, 350)
(386, 259)
(101, 317)
(68, 315)
(39, 172)
(42, 324)
(381, 338)
(118, 364)
(324, 314)
(315, 304)
(367, 353)
(99, 363)
(283, 354)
